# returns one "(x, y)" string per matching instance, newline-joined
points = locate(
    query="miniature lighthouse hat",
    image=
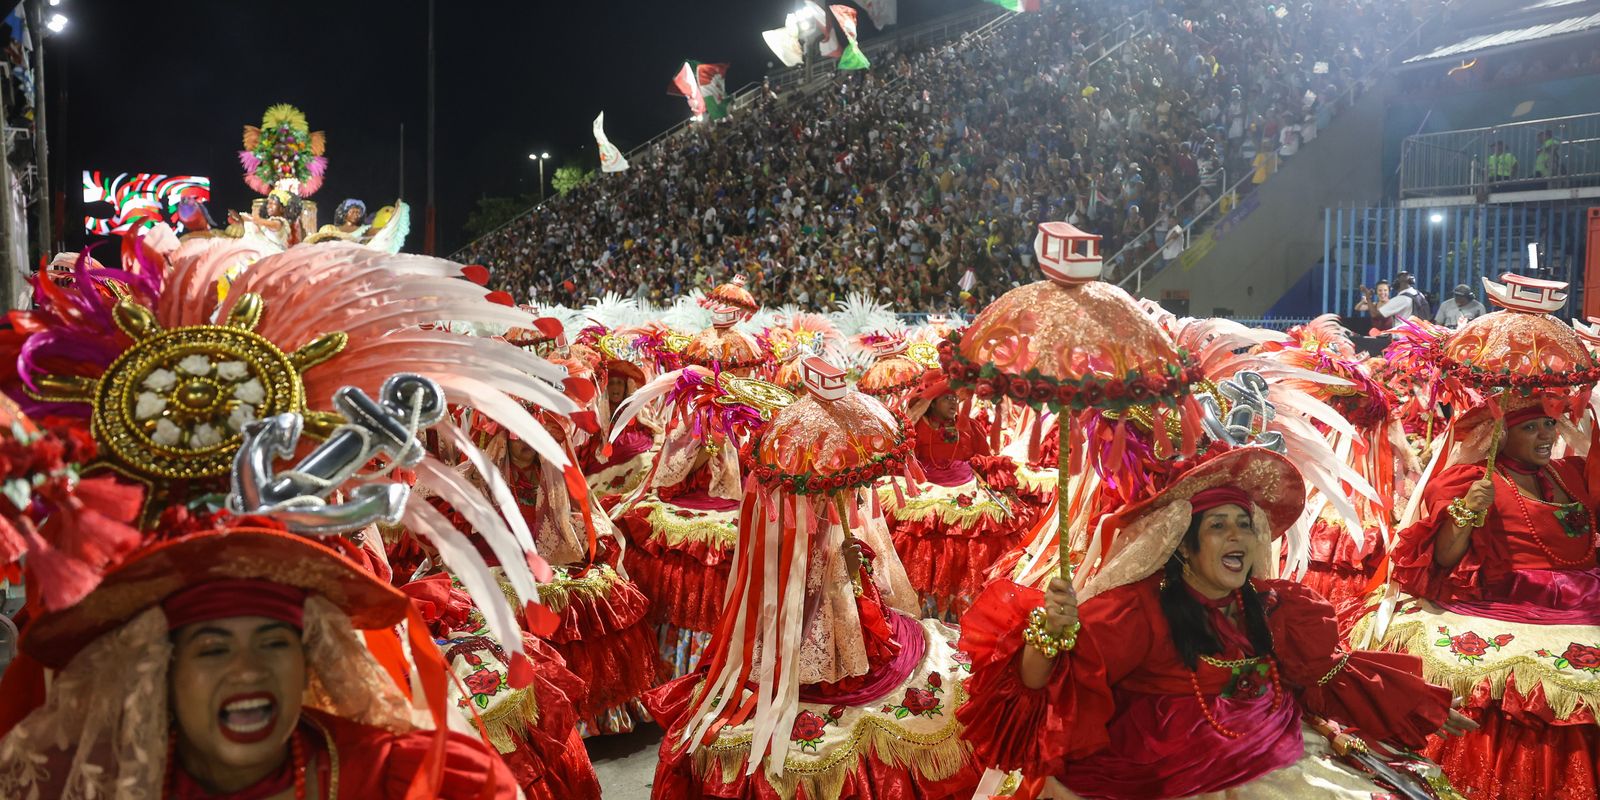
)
(1525, 294)
(823, 380)
(1066, 254)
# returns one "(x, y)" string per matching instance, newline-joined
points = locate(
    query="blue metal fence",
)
(1444, 247)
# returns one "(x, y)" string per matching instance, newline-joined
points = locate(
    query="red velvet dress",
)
(374, 763)
(1120, 719)
(1532, 566)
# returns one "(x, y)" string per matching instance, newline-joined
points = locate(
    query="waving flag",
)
(851, 57)
(785, 45)
(611, 159)
(687, 83)
(829, 46)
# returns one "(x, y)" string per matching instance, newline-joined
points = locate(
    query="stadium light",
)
(57, 23)
(1436, 218)
(55, 2)
(541, 158)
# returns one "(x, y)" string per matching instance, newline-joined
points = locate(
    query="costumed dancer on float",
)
(196, 371)
(1171, 671)
(1495, 584)
(818, 683)
(680, 522)
(252, 620)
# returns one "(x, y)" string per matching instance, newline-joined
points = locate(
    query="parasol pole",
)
(849, 539)
(1063, 457)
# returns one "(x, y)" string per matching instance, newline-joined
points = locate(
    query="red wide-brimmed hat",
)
(154, 573)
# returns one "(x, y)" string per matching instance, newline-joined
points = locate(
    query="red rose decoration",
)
(1001, 383)
(807, 727)
(1090, 395)
(935, 680)
(1582, 656)
(1020, 388)
(1503, 639)
(963, 500)
(1042, 392)
(1138, 392)
(1469, 644)
(920, 701)
(484, 681)
(835, 712)
(984, 391)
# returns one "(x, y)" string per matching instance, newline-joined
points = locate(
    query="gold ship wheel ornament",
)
(173, 405)
(675, 342)
(767, 398)
(1143, 415)
(925, 354)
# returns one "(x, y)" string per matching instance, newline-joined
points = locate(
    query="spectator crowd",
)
(929, 172)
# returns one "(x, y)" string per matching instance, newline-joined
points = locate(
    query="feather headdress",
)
(167, 376)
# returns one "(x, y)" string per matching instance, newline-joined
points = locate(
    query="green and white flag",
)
(851, 57)
(704, 86)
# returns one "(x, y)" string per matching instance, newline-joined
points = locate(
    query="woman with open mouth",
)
(1182, 674)
(1500, 589)
(231, 664)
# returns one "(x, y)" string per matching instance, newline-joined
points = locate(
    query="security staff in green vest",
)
(1502, 165)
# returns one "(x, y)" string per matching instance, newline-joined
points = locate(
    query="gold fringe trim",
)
(933, 757)
(1039, 482)
(1564, 694)
(921, 508)
(596, 585)
(508, 721)
(675, 530)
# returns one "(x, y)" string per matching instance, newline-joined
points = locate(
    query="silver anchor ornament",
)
(407, 404)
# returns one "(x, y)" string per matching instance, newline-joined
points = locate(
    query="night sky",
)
(131, 90)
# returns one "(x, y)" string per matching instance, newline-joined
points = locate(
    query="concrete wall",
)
(1257, 253)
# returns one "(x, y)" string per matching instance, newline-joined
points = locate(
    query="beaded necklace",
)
(1527, 518)
(1236, 664)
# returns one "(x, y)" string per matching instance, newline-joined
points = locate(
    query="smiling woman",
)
(247, 641)
(1182, 674)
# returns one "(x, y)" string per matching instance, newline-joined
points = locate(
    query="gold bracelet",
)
(1038, 636)
(1465, 517)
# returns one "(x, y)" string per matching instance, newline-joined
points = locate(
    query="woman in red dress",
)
(229, 665)
(1181, 674)
(1506, 565)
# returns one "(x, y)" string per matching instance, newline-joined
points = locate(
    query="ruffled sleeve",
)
(1413, 564)
(1381, 694)
(1037, 730)
(468, 765)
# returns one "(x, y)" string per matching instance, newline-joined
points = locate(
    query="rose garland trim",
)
(807, 483)
(882, 391)
(988, 382)
(750, 363)
(1476, 376)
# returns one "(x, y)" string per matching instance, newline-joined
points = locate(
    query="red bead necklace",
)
(1199, 696)
(298, 762)
(1538, 539)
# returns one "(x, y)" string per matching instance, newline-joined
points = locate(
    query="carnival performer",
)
(349, 222)
(230, 663)
(1179, 673)
(1497, 571)
(892, 376)
(818, 684)
(278, 226)
(723, 347)
(222, 383)
(967, 513)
